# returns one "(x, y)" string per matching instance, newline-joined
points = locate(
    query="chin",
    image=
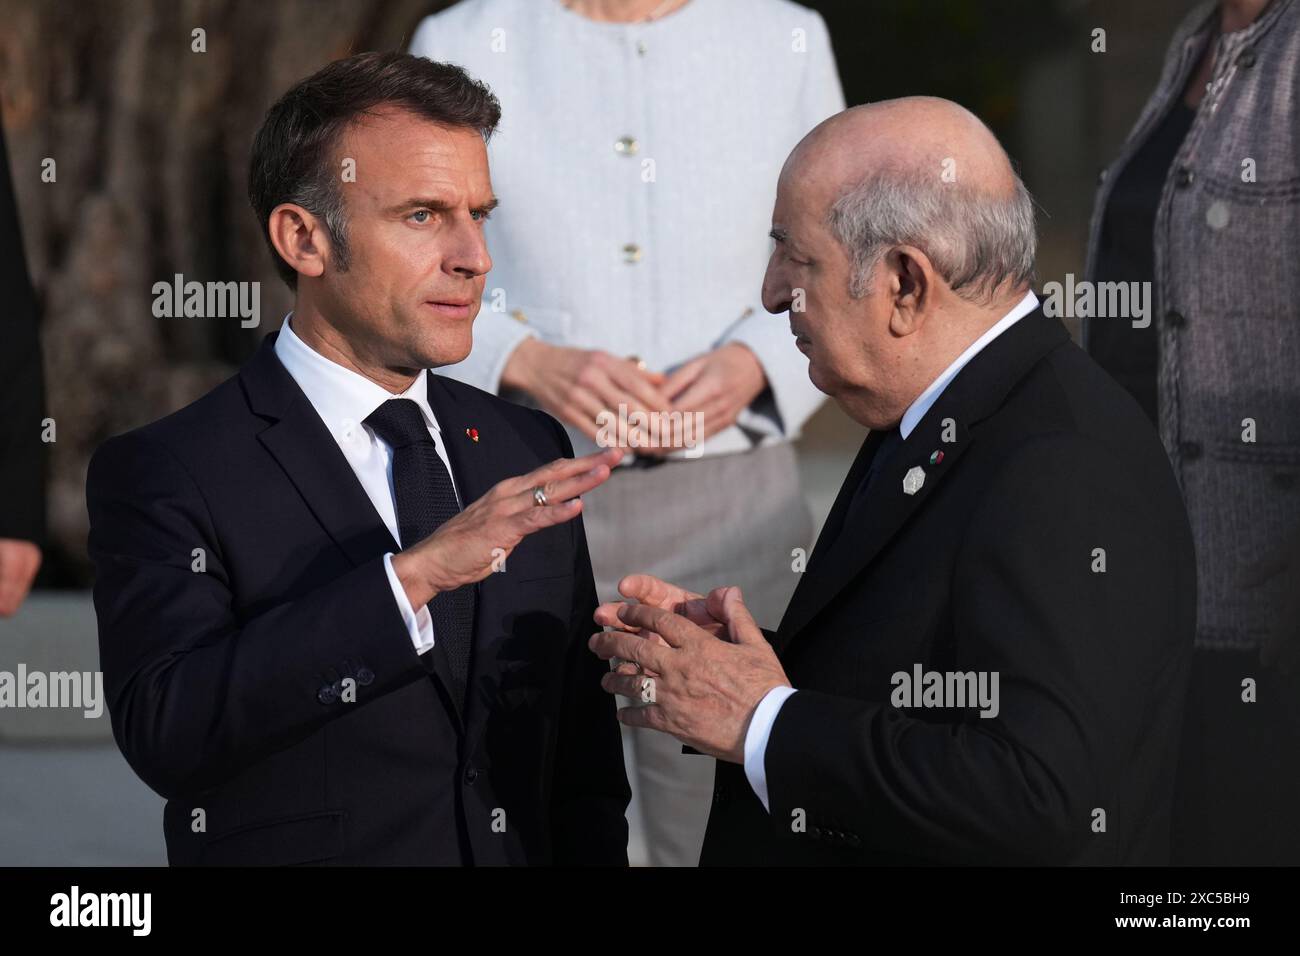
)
(818, 381)
(446, 353)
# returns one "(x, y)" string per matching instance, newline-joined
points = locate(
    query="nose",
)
(776, 290)
(468, 256)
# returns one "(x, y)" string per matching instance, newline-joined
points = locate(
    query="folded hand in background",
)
(578, 385)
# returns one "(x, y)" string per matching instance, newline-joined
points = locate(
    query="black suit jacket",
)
(988, 567)
(227, 686)
(22, 390)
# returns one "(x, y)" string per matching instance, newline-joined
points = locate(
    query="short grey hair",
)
(975, 240)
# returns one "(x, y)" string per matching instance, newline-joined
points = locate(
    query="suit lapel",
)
(949, 427)
(477, 466)
(835, 520)
(310, 457)
(878, 520)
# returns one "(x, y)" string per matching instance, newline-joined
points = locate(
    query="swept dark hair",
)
(292, 156)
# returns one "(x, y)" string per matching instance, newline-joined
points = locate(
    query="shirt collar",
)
(343, 398)
(916, 411)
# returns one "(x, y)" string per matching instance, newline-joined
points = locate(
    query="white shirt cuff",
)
(418, 625)
(760, 728)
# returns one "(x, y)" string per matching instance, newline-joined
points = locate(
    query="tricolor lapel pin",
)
(472, 433)
(936, 457)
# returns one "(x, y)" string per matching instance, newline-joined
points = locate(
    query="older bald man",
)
(986, 659)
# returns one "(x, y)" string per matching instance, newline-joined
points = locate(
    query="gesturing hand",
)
(705, 688)
(464, 548)
(655, 592)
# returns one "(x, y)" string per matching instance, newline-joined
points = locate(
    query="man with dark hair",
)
(333, 627)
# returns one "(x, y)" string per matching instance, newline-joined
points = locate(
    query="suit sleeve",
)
(197, 693)
(22, 389)
(1021, 786)
(590, 793)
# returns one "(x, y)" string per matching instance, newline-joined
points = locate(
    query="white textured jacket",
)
(636, 166)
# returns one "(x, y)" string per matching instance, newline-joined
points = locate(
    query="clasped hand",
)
(710, 663)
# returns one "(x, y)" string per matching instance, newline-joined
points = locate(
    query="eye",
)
(418, 213)
(482, 215)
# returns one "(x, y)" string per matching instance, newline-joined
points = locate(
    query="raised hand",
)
(464, 548)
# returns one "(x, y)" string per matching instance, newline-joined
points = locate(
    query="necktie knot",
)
(399, 422)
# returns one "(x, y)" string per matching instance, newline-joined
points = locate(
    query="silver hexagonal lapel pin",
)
(913, 480)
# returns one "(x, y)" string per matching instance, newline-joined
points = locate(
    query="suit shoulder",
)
(532, 423)
(1096, 404)
(1069, 424)
(198, 428)
(1067, 392)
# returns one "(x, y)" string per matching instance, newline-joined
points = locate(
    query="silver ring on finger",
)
(616, 662)
(539, 497)
(647, 690)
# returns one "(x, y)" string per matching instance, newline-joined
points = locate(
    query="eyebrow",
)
(782, 235)
(441, 205)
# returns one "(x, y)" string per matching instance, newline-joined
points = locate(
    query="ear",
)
(912, 279)
(300, 238)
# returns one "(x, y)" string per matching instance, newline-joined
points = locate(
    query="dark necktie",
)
(888, 445)
(884, 451)
(425, 498)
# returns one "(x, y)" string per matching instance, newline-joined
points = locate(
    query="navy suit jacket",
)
(992, 565)
(259, 675)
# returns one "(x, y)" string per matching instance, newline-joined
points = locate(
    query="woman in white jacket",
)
(636, 163)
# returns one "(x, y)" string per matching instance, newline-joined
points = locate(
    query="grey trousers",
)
(701, 524)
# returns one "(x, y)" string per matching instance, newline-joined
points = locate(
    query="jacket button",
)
(470, 776)
(365, 676)
(1185, 177)
(719, 795)
(1247, 58)
(1190, 449)
(1175, 320)
(327, 694)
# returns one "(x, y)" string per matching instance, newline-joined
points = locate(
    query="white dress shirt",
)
(343, 399)
(760, 725)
